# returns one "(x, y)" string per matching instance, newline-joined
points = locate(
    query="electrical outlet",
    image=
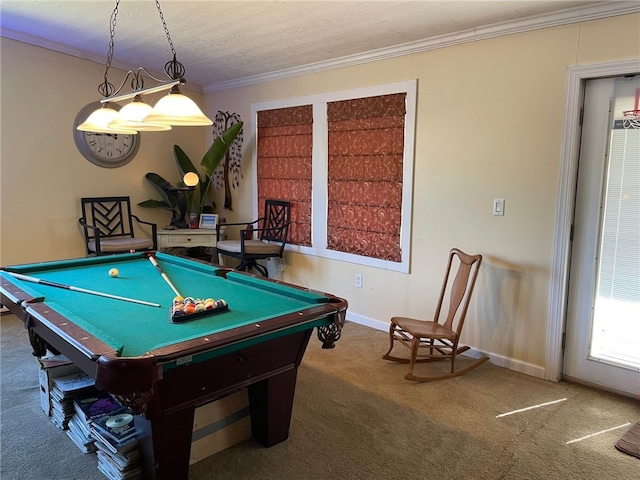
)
(359, 280)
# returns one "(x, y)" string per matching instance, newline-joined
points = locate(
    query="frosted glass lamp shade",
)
(132, 116)
(99, 121)
(177, 109)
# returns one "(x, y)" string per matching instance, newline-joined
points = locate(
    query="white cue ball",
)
(113, 272)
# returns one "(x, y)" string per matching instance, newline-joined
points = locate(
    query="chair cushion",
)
(123, 244)
(250, 246)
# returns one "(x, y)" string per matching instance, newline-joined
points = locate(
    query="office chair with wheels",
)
(263, 238)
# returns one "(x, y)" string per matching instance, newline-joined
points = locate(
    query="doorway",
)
(602, 345)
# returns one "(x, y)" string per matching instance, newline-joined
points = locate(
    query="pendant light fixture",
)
(137, 116)
(133, 114)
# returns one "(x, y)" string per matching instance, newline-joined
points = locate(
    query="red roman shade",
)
(366, 145)
(284, 164)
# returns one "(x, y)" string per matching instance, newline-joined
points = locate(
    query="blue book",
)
(95, 403)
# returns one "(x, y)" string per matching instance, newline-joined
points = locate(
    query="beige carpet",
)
(356, 418)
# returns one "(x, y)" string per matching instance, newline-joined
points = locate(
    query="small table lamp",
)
(190, 180)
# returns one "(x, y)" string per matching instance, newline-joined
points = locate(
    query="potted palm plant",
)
(192, 199)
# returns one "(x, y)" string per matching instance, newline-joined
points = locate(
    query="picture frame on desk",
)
(208, 221)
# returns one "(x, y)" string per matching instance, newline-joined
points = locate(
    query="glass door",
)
(602, 335)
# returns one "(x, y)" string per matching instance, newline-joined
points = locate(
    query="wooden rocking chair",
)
(439, 339)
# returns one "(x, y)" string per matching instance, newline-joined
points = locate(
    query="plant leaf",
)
(204, 188)
(167, 200)
(151, 203)
(219, 148)
(192, 200)
(185, 164)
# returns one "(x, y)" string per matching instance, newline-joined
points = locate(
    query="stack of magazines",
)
(63, 391)
(89, 405)
(101, 424)
(116, 444)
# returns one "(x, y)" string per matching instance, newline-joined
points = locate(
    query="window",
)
(616, 308)
(284, 164)
(345, 161)
(366, 143)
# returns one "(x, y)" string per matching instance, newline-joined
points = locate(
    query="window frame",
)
(319, 170)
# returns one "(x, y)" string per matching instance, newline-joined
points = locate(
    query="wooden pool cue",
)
(41, 281)
(152, 259)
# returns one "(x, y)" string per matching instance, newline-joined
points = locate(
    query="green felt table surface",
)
(133, 329)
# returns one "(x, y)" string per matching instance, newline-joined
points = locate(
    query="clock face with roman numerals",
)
(108, 150)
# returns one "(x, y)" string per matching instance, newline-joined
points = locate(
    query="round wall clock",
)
(108, 150)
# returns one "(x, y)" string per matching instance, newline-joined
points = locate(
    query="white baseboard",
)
(367, 321)
(510, 363)
(494, 358)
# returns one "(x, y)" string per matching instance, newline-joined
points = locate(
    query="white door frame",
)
(570, 153)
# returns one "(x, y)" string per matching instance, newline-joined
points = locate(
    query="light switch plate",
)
(498, 207)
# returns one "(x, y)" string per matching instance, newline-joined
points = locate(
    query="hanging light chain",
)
(166, 29)
(106, 89)
(173, 68)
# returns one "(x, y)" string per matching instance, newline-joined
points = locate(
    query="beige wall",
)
(43, 175)
(490, 121)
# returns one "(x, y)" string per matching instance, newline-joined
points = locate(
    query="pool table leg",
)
(166, 444)
(271, 404)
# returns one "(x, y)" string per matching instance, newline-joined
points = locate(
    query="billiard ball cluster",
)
(189, 305)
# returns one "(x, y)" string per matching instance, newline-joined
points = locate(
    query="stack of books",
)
(63, 391)
(116, 443)
(96, 422)
(90, 404)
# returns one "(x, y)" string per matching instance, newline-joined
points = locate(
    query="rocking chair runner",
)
(441, 340)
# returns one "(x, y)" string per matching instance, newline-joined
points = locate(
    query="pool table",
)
(164, 370)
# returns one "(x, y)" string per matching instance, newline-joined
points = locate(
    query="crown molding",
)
(58, 47)
(79, 53)
(537, 22)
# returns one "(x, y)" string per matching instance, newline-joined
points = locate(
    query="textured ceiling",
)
(224, 41)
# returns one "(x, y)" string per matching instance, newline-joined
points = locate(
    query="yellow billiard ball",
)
(113, 272)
